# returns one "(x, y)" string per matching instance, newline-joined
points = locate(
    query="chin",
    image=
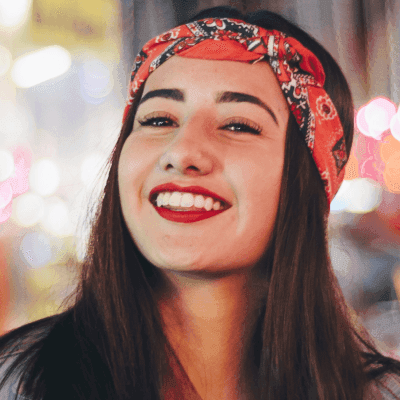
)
(184, 263)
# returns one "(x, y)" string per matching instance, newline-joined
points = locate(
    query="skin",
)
(212, 289)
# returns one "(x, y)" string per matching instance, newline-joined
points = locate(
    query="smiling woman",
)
(208, 274)
(231, 151)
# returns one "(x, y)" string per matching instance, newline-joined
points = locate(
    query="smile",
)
(186, 204)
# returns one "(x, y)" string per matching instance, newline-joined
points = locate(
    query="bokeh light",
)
(389, 147)
(5, 60)
(35, 250)
(96, 81)
(359, 196)
(20, 179)
(391, 175)
(6, 164)
(364, 196)
(40, 65)
(6, 194)
(361, 122)
(44, 177)
(29, 209)
(56, 217)
(395, 126)
(341, 200)
(374, 118)
(13, 12)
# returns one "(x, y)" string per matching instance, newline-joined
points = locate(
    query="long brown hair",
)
(109, 343)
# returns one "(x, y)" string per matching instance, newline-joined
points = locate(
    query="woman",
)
(208, 274)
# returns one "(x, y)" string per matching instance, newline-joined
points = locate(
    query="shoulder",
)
(17, 348)
(387, 387)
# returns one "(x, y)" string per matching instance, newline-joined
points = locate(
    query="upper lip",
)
(172, 187)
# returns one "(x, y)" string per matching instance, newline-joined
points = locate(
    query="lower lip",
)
(186, 216)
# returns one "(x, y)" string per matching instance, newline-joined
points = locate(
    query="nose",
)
(190, 151)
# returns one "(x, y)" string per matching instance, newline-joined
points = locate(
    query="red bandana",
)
(299, 73)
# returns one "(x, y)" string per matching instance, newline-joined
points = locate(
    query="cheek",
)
(134, 167)
(257, 183)
(136, 162)
(257, 180)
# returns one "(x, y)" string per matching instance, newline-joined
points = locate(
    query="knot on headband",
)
(298, 71)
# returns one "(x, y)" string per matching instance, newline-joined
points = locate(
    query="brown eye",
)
(157, 121)
(242, 126)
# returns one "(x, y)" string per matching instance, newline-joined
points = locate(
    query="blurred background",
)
(64, 69)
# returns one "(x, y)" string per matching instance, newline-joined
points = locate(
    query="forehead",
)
(205, 78)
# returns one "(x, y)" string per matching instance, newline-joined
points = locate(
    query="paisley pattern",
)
(299, 73)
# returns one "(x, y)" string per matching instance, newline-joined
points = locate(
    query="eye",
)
(158, 121)
(240, 125)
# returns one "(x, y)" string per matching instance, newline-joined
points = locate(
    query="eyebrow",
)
(222, 97)
(174, 94)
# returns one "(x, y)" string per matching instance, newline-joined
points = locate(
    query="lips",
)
(186, 216)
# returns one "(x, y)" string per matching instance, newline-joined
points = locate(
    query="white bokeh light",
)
(341, 200)
(13, 12)
(364, 196)
(378, 114)
(5, 60)
(39, 66)
(395, 126)
(56, 218)
(358, 196)
(6, 164)
(44, 177)
(29, 209)
(35, 250)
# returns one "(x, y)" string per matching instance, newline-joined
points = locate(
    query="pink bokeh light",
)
(6, 194)
(395, 126)
(375, 117)
(17, 184)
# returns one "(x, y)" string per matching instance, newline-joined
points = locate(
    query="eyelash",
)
(238, 122)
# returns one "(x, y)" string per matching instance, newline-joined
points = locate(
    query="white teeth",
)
(208, 203)
(175, 199)
(166, 197)
(160, 199)
(199, 201)
(187, 200)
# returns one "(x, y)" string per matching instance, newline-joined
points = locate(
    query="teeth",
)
(208, 203)
(187, 200)
(199, 201)
(216, 206)
(160, 199)
(166, 197)
(175, 199)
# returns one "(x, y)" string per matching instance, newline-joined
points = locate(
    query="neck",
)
(209, 321)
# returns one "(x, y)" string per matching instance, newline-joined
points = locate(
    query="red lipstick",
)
(186, 216)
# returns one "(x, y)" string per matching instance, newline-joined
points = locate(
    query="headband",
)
(299, 73)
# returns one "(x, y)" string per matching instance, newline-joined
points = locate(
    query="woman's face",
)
(219, 126)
